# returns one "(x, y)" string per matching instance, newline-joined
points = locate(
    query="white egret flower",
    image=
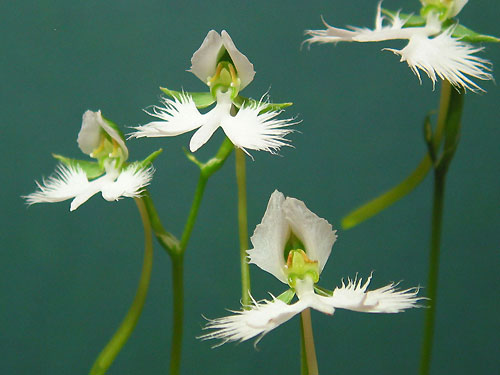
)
(226, 71)
(288, 223)
(81, 180)
(431, 48)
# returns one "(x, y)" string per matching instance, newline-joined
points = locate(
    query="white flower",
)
(430, 48)
(289, 220)
(205, 59)
(100, 139)
(250, 128)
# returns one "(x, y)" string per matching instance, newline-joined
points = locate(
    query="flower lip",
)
(205, 59)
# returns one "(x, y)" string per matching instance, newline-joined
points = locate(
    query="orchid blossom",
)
(220, 65)
(294, 244)
(432, 48)
(110, 175)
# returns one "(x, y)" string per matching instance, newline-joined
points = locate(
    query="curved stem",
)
(193, 213)
(309, 363)
(243, 225)
(391, 196)
(109, 353)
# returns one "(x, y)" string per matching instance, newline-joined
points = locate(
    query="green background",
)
(67, 278)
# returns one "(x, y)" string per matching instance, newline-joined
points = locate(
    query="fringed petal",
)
(262, 317)
(178, 117)
(130, 183)
(66, 183)
(388, 299)
(251, 129)
(447, 58)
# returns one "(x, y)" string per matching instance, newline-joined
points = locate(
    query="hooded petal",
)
(456, 7)
(204, 60)
(261, 318)
(269, 239)
(243, 66)
(447, 58)
(66, 183)
(387, 299)
(178, 117)
(251, 129)
(130, 183)
(316, 233)
(89, 136)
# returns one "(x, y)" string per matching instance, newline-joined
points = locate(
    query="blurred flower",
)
(80, 179)
(226, 71)
(431, 47)
(289, 226)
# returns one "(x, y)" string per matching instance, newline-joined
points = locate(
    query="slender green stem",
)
(193, 213)
(109, 353)
(243, 225)
(391, 196)
(441, 166)
(178, 313)
(432, 283)
(309, 363)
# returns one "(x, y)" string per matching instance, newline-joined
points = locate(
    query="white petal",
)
(66, 183)
(178, 117)
(315, 233)
(457, 7)
(447, 58)
(243, 66)
(130, 183)
(204, 60)
(91, 189)
(269, 239)
(253, 130)
(89, 136)
(305, 291)
(387, 299)
(259, 320)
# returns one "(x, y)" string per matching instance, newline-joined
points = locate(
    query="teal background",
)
(67, 278)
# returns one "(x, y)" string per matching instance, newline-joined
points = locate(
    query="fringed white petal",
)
(388, 299)
(305, 292)
(245, 324)
(204, 60)
(92, 188)
(269, 239)
(130, 183)
(178, 117)
(251, 129)
(447, 58)
(316, 233)
(243, 66)
(66, 183)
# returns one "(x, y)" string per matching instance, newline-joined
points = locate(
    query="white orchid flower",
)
(226, 71)
(431, 48)
(289, 224)
(101, 139)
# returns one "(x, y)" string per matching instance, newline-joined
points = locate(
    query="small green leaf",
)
(201, 99)
(460, 32)
(240, 101)
(286, 296)
(146, 162)
(91, 168)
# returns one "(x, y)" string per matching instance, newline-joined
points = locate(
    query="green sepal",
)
(240, 101)
(323, 291)
(149, 159)
(287, 296)
(91, 168)
(460, 32)
(115, 127)
(201, 99)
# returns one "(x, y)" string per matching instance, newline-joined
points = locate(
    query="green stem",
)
(243, 225)
(109, 353)
(309, 363)
(432, 283)
(193, 213)
(441, 166)
(178, 313)
(391, 196)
